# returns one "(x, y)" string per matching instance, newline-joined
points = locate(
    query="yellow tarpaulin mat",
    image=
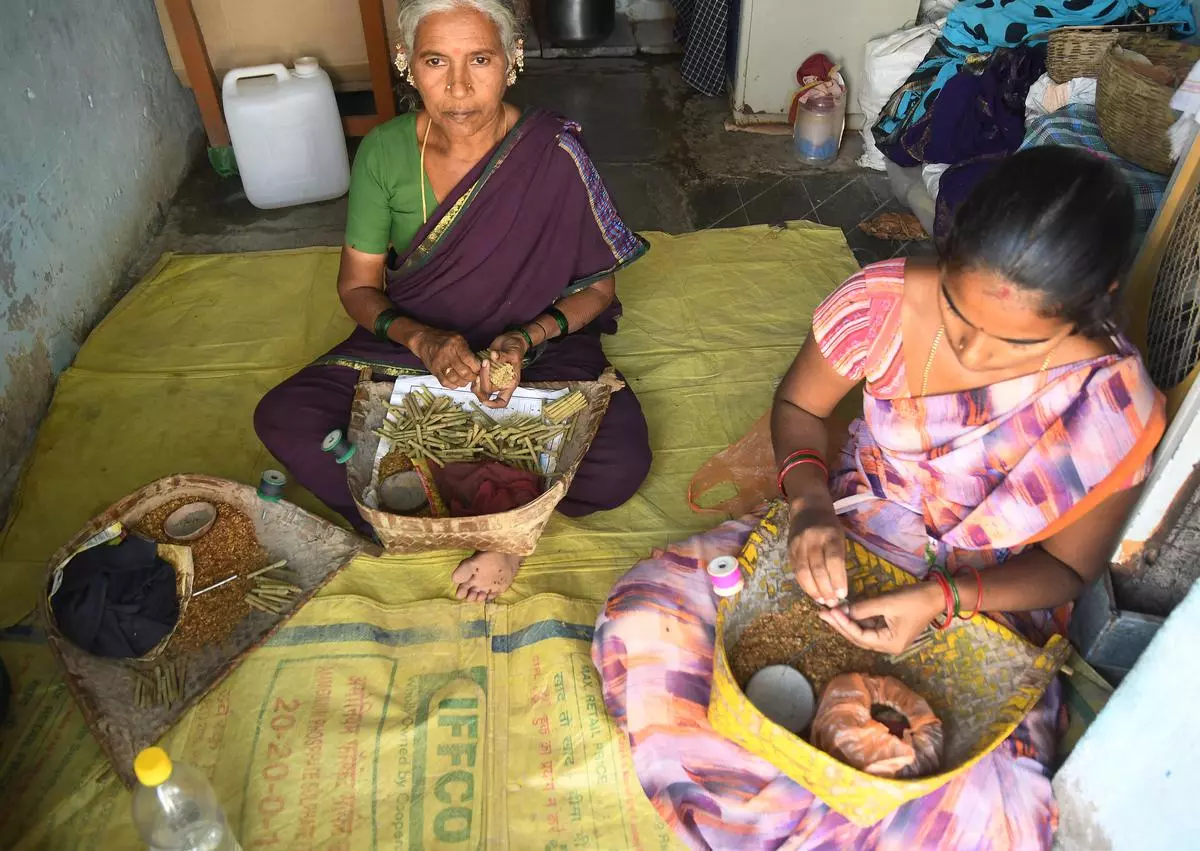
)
(167, 384)
(423, 726)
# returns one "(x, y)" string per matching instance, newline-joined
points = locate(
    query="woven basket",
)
(515, 532)
(104, 688)
(979, 677)
(1078, 51)
(1135, 112)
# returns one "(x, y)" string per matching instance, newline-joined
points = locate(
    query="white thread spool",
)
(726, 576)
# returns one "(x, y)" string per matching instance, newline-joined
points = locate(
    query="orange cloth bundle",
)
(846, 727)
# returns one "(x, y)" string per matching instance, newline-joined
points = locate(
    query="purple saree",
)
(530, 224)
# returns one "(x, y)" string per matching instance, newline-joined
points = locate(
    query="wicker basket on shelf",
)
(1074, 52)
(979, 677)
(515, 532)
(1134, 111)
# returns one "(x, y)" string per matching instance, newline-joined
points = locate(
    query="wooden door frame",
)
(204, 81)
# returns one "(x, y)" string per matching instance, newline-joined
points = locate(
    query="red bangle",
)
(978, 595)
(796, 459)
(948, 598)
(803, 453)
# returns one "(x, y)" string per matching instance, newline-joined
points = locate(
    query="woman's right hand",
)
(817, 549)
(447, 357)
(509, 348)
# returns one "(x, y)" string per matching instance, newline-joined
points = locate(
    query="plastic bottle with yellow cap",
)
(175, 808)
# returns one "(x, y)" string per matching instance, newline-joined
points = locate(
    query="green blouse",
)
(385, 197)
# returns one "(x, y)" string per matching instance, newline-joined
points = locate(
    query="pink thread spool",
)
(726, 576)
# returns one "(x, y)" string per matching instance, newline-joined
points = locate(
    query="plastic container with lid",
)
(175, 808)
(820, 122)
(287, 133)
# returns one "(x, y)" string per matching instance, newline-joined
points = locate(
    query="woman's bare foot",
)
(485, 576)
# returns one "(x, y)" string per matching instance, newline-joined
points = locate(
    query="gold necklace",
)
(1046, 359)
(425, 141)
(937, 338)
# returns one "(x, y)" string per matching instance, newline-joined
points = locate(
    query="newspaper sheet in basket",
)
(979, 677)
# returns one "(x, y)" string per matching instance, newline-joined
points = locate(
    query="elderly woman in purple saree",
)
(517, 256)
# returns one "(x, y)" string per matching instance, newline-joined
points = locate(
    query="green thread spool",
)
(336, 444)
(270, 486)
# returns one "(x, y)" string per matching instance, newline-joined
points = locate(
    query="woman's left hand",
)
(507, 348)
(888, 623)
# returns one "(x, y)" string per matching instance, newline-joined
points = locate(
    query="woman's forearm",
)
(1032, 580)
(364, 304)
(579, 309)
(793, 429)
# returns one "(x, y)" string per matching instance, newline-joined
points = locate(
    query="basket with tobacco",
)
(144, 624)
(406, 451)
(978, 677)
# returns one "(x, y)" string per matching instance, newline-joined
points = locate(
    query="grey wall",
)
(1131, 782)
(1160, 576)
(96, 134)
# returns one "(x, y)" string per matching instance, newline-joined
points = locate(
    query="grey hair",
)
(412, 12)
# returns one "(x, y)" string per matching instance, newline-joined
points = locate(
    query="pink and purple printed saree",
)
(977, 476)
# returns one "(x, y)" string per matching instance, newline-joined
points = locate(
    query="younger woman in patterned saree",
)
(1006, 426)
(472, 226)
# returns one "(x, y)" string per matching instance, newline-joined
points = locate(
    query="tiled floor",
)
(672, 166)
(841, 200)
(661, 148)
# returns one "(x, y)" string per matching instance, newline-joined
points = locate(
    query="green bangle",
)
(517, 329)
(945, 571)
(384, 321)
(564, 327)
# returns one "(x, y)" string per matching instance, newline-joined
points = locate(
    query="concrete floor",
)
(660, 146)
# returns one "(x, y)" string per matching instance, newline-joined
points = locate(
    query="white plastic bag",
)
(935, 10)
(890, 60)
(931, 176)
(1046, 96)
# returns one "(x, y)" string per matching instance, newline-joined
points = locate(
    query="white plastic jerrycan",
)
(287, 133)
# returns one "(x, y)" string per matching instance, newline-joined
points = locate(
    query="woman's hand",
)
(888, 623)
(817, 549)
(447, 357)
(507, 348)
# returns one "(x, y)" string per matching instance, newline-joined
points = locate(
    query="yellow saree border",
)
(361, 363)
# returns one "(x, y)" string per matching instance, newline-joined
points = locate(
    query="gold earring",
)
(518, 62)
(401, 63)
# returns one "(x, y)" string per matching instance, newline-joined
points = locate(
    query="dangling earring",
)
(401, 63)
(518, 62)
